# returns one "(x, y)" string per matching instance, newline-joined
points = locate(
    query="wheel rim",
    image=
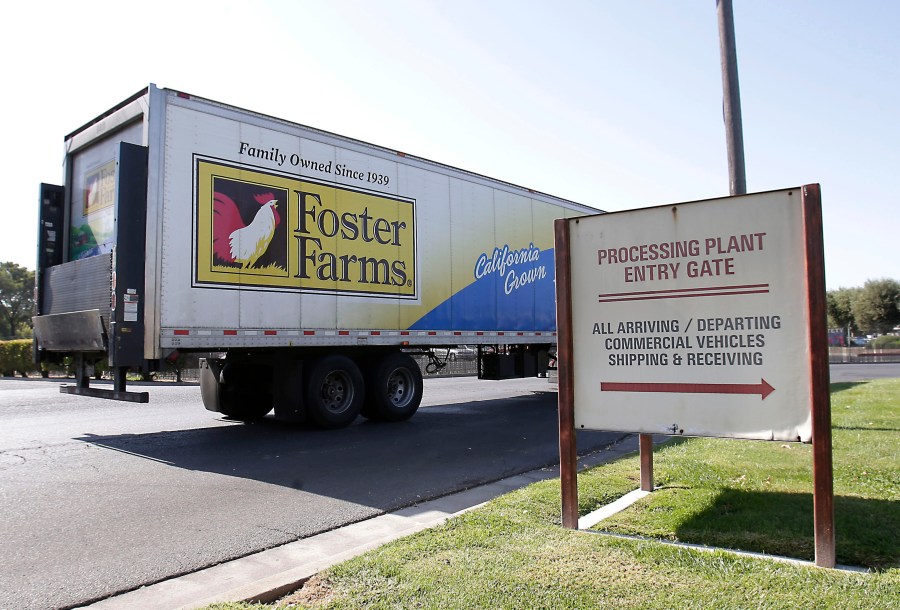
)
(400, 387)
(337, 392)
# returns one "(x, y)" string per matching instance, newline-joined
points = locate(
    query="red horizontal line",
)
(182, 332)
(704, 289)
(309, 333)
(270, 332)
(229, 332)
(684, 296)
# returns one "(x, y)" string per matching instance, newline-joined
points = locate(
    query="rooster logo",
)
(237, 243)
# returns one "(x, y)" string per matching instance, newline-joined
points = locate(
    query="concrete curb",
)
(269, 575)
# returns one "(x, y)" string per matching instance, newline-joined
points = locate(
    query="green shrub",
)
(66, 367)
(886, 342)
(16, 357)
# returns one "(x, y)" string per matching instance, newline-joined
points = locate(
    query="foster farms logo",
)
(263, 231)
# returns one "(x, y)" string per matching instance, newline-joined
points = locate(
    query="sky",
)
(614, 104)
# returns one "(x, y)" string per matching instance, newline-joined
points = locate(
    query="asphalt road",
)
(99, 497)
(840, 373)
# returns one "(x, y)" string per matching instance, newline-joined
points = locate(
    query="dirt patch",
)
(315, 591)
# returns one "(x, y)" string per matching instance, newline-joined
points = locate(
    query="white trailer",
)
(312, 263)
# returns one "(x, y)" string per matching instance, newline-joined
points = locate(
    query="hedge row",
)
(886, 342)
(15, 357)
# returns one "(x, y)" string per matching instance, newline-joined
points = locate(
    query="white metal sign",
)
(693, 319)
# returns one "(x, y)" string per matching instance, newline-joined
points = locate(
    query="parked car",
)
(461, 352)
(859, 341)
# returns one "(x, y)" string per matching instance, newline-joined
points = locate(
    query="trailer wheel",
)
(393, 387)
(334, 391)
(245, 391)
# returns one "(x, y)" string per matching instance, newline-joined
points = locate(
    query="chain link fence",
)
(187, 368)
(862, 355)
(449, 364)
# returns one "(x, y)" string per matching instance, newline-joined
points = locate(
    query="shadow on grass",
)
(846, 385)
(866, 530)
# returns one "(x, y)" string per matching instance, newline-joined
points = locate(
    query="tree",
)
(877, 307)
(16, 300)
(839, 305)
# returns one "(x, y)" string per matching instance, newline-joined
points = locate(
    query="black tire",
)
(334, 391)
(393, 387)
(245, 391)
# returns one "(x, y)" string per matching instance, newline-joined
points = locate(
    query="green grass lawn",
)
(757, 496)
(747, 495)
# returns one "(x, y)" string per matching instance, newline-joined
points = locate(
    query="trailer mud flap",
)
(210, 374)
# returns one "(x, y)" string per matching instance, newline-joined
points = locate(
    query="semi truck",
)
(308, 267)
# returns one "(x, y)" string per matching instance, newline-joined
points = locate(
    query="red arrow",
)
(762, 388)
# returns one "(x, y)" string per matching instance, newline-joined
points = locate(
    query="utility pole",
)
(731, 99)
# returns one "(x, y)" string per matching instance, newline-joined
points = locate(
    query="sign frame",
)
(812, 269)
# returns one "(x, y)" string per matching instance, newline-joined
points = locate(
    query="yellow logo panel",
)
(264, 231)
